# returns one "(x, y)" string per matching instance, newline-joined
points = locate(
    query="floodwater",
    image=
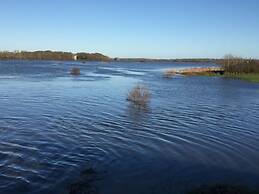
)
(62, 134)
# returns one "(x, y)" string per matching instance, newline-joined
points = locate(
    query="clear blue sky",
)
(133, 28)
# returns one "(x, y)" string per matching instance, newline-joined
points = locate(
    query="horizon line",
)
(122, 57)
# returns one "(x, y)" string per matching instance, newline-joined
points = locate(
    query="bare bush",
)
(139, 95)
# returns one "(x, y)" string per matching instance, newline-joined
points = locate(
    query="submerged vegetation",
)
(85, 184)
(75, 71)
(139, 95)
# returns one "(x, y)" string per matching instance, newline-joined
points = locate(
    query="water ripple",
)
(50, 129)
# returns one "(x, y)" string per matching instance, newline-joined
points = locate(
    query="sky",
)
(133, 28)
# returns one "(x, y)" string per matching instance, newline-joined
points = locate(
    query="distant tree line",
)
(37, 55)
(190, 60)
(51, 55)
(232, 64)
(92, 57)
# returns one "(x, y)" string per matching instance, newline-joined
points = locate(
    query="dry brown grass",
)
(193, 71)
(169, 73)
(139, 95)
(233, 64)
(75, 71)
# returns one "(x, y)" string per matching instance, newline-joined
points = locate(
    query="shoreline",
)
(214, 72)
(194, 71)
(84, 56)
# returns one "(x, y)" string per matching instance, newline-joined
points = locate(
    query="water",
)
(54, 127)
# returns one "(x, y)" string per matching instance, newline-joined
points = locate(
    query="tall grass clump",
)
(232, 64)
(139, 95)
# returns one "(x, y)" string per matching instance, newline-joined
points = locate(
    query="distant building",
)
(75, 57)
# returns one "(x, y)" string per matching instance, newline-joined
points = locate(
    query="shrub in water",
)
(75, 71)
(139, 95)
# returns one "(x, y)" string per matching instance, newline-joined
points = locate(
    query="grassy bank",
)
(231, 67)
(239, 68)
(251, 77)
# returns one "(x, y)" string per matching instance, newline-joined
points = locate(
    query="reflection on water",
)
(86, 183)
(223, 189)
(137, 113)
(53, 126)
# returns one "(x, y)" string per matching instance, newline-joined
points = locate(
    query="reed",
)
(232, 64)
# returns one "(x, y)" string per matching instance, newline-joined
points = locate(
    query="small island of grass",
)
(230, 67)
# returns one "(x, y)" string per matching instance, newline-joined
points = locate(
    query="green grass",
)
(251, 77)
